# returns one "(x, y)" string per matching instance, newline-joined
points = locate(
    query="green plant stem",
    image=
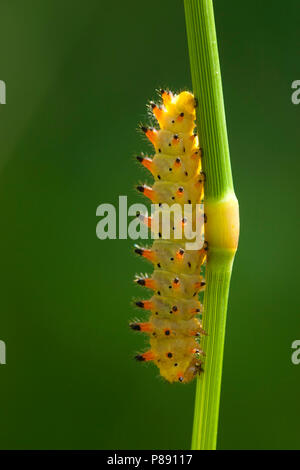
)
(211, 125)
(207, 86)
(209, 383)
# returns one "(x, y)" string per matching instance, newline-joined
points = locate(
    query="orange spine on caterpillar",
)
(173, 326)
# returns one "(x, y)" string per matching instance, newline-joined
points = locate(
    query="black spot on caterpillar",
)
(173, 327)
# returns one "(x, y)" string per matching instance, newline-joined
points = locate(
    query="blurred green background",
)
(78, 77)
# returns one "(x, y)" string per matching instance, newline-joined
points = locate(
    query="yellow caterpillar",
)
(176, 280)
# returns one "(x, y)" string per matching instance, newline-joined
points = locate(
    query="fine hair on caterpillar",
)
(178, 252)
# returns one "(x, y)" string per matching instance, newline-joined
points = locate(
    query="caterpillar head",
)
(178, 113)
(185, 102)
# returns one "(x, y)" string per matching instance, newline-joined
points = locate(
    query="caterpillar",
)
(174, 328)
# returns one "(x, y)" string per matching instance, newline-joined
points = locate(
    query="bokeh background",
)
(78, 77)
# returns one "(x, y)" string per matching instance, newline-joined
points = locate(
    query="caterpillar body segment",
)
(170, 223)
(171, 256)
(175, 168)
(163, 307)
(190, 192)
(172, 192)
(168, 143)
(162, 327)
(173, 285)
(173, 327)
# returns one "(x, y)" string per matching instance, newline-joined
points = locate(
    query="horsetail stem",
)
(221, 209)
